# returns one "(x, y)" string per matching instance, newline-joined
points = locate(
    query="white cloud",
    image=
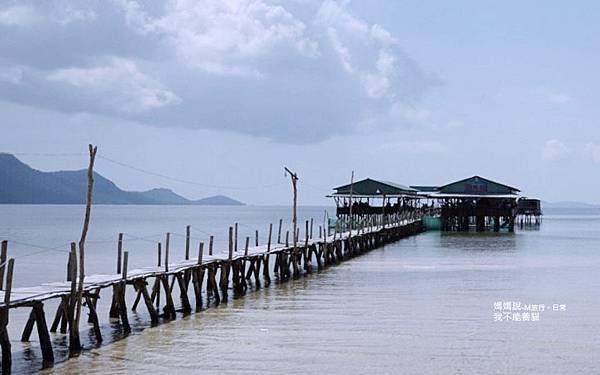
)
(593, 151)
(559, 98)
(57, 11)
(67, 14)
(18, 15)
(294, 71)
(412, 147)
(119, 83)
(365, 52)
(223, 37)
(11, 74)
(555, 150)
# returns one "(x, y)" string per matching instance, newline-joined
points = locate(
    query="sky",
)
(217, 96)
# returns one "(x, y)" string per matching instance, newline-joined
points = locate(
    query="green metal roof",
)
(426, 189)
(374, 188)
(477, 185)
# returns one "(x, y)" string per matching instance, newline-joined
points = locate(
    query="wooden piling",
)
(230, 243)
(187, 242)
(125, 260)
(159, 255)
(93, 318)
(200, 252)
(266, 275)
(4, 339)
(167, 240)
(3, 254)
(74, 342)
(119, 252)
(210, 245)
(235, 242)
(279, 231)
(43, 335)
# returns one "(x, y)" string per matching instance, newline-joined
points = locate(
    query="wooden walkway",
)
(209, 278)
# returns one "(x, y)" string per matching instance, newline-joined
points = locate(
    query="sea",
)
(434, 303)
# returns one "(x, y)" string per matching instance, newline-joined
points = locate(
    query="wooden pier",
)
(204, 279)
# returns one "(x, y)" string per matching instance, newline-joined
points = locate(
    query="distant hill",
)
(19, 183)
(569, 204)
(218, 200)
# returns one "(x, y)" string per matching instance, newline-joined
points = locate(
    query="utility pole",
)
(350, 205)
(294, 178)
(88, 208)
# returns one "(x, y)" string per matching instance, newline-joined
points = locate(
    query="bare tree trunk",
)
(86, 222)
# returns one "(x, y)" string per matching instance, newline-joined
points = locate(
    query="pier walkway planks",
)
(214, 273)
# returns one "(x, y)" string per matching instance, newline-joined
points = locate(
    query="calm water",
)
(424, 305)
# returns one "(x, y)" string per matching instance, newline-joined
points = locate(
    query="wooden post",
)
(125, 260)
(167, 251)
(210, 245)
(29, 327)
(159, 254)
(287, 238)
(350, 203)
(141, 285)
(74, 343)
(306, 234)
(9, 280)
(43, 335)
(256, 238)
(235, 247)
(269, 241)
(4, 339)
(311, 228)
(243, 270)
(279, 231)
(187, 242)
(294, 179)
(200, 252)
(119, 252)
(86, 223)
(230, 243)
(3, 254)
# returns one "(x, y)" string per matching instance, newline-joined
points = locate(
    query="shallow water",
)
(423, 305)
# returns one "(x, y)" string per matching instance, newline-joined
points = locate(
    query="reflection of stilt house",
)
(476, 202)
(372, 202)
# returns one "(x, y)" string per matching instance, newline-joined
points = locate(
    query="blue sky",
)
(225, 93)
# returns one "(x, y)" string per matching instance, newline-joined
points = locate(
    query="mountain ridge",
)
(22, 184)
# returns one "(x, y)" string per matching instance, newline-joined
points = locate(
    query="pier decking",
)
(207, 278)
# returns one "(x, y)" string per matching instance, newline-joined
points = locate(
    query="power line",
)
(47, 154)
(145, 171)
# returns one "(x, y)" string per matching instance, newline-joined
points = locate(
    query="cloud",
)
(60, 12)
(18, 15)
(555, 150)
(119, 83)
(11, 74)
(222, 37)
(412, 147)
(592, 150)
(293, 71)
(370, 54)
(111, 85)
(559, 98)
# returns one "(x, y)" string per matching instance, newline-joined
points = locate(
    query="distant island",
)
(21, 184)
(569, 205)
